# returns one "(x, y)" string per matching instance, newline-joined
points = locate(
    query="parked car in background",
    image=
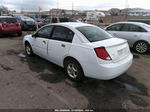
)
(27, 23)
(137, 34)
(9, 25)
(146, 21)
(55, 20)
(84, 50)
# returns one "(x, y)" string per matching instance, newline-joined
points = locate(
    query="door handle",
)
(135, 35)
(63, 45)
(44, 42)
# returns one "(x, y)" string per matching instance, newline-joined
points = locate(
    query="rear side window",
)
(132, 28)
(63, 20)
(8, 20)
(62, 34)
(116, 27)
(94, 34)
(54, 20)
(147, 22)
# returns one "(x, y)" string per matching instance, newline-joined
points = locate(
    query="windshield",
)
(93, 33)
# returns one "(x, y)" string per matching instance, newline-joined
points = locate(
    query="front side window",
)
(63, 19)
(135, 28)
(94, 34)
(45, 32)
(62, 34)
(116, 27)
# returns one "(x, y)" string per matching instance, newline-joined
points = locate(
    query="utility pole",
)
(72, 8)
(126, 8)
(57, 4)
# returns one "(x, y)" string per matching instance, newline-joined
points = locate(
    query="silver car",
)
(137, 34)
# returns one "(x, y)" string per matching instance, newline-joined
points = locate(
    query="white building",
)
(94, 15)
(139, 12)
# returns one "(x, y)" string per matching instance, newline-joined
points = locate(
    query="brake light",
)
(102, 53)
(3, 25)
(17, 24)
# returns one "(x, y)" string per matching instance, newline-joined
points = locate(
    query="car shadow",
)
(100, 94)
(10, 36)
(111, 94)
(105, 95)
(137, 55)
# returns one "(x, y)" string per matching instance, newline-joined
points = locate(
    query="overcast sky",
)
(32, 5)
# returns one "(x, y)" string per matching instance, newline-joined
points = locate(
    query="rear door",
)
(131, 33)
(59, 44)
(40, 42)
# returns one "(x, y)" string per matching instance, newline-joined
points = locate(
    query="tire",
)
(28, 50)
(141, 47)
(73, 70)
(19, 34)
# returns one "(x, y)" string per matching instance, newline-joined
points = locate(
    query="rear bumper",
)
(109, 71)
(10, 32)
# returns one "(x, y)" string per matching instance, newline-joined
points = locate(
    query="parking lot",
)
(31, 83)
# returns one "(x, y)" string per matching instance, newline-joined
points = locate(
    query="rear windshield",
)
(67, 20)
(93, 33)
(8, 20)
(64, 20)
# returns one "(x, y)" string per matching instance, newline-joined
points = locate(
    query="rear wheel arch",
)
(139, 41)
(72, 58)
(69, 60)
(134, 45)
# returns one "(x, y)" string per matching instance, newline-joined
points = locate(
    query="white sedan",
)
(137, 34)
(84, 50)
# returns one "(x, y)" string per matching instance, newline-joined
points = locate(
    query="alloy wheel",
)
(141, 47)
(72, 70)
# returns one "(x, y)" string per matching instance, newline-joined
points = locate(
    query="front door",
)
(40, 43)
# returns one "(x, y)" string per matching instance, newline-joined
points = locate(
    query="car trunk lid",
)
(116, 48)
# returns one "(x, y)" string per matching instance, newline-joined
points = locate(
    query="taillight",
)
(17, 24)
(3, 25)
(102, 53)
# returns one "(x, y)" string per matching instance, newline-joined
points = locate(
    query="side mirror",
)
(34, 35)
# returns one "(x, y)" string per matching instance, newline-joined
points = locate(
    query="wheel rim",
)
(28, 50)
(141, 47)
(72, 70)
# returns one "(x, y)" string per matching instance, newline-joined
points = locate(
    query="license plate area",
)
(121, 52)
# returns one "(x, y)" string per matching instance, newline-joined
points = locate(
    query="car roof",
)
(126, 22)
(72, 24)
(139, 20)
(135, 23)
